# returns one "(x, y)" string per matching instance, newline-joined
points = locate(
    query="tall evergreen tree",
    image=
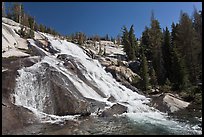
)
(145, 41)
(153, 78)
(133, 44)
(155, 49)
(197, 25)
(144, 72)
(42, 28)
(125, 41)
(179, 76)
(166, 52)
(130, 43)
(31, 22)
(187, 45)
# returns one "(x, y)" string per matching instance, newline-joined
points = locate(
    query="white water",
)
(30, 94)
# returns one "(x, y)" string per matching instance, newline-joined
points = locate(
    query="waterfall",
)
(31, 92)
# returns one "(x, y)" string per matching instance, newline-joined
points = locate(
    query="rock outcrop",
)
(168, 102)
(174, 103)
(122, 72)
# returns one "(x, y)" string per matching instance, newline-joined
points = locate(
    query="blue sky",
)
(106, 17)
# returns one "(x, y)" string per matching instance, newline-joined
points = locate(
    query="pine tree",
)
(31, 34)
(125, 41)
(133, 44)
(197, 25)
(179, 76)
(31, 22)
(187, 46)
(153, 78)
(155, 49)
(130, 43)
(166, 52)
(144, 72)
(36, 27)
(25, 21)
(42, 28)
(145, 41)
(16, 12)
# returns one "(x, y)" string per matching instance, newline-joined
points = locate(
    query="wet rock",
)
(123, 72)
(111, 99)
(64, 98)
(11, 65)
(115, 109)
(89, 52)
(35, 50)
(73, 66)
(128, 85)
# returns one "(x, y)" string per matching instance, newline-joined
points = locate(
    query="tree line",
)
(168, 59)
(16, 12)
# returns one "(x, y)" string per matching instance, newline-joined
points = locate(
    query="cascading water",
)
(30, 92)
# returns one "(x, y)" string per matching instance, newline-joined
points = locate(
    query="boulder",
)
(167, 102)
(115, 109)
(63, 98)
(124, 72)
(173, 103)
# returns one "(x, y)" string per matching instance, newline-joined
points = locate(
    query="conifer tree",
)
(144, 72)
(179, 76)
(130, 43)
(145, 41)
(153, 78)
(133, 44)
(17, 12)
(118, 40)
(31, 22)
(155, 49)
(188, 46)
(125, 41)
(166, 52)
(197, 25)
